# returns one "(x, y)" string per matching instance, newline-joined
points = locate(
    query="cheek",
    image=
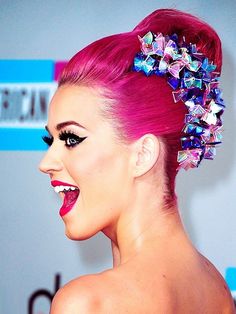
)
(101, 173)
(104, 184)
(89, 166)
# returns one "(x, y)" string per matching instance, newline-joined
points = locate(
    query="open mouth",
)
(71, 194)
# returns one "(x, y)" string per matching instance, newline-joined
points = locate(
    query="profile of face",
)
(87, 164)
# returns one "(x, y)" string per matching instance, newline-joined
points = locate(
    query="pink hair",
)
(140, 104)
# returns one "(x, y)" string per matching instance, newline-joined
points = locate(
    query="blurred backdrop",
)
(36, 257)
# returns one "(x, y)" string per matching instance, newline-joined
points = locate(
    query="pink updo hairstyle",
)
(138, 104)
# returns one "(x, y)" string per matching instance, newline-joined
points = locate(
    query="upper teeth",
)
(62, 188)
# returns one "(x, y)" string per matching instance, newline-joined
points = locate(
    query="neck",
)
(144, 224)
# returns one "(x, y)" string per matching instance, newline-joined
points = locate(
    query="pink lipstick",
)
(58, 183)
(71, 194)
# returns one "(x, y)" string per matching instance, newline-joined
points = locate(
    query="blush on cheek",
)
(91, 164)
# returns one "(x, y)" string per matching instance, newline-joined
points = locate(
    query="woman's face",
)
(85, 157)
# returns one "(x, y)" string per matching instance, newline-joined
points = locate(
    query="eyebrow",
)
(62, 125)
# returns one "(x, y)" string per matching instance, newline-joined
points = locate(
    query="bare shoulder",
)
(81, 295)
(112, 291)
(128, 290)
(218, 287)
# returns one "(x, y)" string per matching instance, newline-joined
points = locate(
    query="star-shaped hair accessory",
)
(194, 82)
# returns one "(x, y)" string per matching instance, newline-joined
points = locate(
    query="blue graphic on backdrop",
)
(230, 277)
(26, 88)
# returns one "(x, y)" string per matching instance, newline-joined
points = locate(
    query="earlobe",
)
(146, 153)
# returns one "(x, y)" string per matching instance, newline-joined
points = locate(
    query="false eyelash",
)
(68, 135)
(48, 140)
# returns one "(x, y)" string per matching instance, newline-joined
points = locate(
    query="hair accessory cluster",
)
(195, 82)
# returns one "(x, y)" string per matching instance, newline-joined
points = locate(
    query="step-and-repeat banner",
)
(26, 87)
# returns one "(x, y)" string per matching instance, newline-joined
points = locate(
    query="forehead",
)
(79, 103)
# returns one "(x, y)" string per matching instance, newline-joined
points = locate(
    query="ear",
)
(146, 153)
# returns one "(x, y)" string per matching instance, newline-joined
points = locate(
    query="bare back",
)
(177, 285)
(186, 283)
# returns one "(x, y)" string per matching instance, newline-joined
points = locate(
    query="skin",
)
(156, 269)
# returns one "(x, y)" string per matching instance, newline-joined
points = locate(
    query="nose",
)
(51, 162)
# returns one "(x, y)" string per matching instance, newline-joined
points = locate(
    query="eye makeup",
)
(48, 139)
(70, 138)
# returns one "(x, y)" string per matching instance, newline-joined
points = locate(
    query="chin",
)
(78, 235)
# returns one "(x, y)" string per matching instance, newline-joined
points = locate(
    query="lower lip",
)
(69, 201)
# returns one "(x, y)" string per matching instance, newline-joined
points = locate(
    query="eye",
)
(48, 140)
(70, 139)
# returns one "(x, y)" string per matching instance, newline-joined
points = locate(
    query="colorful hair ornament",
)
(193, 81)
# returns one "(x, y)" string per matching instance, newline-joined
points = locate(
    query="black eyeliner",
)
(68, 135)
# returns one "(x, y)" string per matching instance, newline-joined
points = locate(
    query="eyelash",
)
(48, 140)
(65, 136)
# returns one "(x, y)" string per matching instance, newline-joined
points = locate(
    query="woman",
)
(117, 139)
